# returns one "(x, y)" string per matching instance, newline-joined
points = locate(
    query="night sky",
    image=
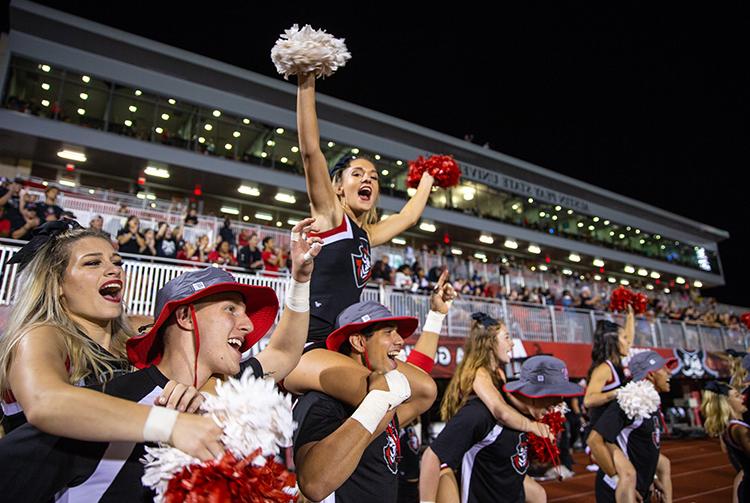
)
(652, 104)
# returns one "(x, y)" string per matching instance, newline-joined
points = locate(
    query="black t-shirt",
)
(130, 246)
(640, 440)
(39, 467)
(166, 247)
(44, 209)
(248, 256)
(492, 459)
(375, 480)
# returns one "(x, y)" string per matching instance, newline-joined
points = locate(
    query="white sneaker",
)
(566, 472)
(593, 467)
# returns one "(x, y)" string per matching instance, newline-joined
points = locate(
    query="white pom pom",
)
(252, 413)
(162, 463)
(308, 51)
(638, 399)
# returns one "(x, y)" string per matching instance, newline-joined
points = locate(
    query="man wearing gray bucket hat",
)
(492, 458)
(638, 437)
(205, 319)
(343, 452)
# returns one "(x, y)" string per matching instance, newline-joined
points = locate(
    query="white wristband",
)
(298, 296)
(372, 409)
(433, 322)
(612, 481)
(159, 424)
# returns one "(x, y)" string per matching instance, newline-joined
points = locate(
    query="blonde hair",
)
(38, 304)
(479, 352)
(371, 216)
(716, 413)
(737, 371)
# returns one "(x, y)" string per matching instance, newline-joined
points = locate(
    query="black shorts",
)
(317, 332)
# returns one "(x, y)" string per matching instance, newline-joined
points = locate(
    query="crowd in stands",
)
(680, 305)
(21, 211)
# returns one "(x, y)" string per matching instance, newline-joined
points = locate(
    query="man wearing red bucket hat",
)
(352, 454)
(204, 320)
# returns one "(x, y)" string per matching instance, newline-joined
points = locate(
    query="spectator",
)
(148, 247)
(381, 271)
(244, 238)
(403, 278)
(4, 224)
(123, 209)
(21, 223)
(203, 248)
(166, 243)
(49, 211)
(97, 223)
(227, 234)
(192, 217)
(271, 257)
(222, 255)
(250, 256)
(129, 238)
(586, 301)
(420, 284)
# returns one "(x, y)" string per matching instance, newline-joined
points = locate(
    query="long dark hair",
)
(606, 344)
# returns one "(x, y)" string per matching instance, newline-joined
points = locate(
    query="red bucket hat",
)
(261, 306)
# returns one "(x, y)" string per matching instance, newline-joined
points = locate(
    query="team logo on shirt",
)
(390, 454)
(656, 434)
(520, 460)
(361, 263)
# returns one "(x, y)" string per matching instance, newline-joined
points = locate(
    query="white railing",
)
(533, 322)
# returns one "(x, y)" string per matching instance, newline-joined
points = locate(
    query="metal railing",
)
(533, 322)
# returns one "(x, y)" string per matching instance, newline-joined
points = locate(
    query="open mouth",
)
(365, 193)
(112, 291)
(235, 343)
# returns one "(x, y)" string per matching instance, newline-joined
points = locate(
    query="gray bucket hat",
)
(643, 363)
(543, 376)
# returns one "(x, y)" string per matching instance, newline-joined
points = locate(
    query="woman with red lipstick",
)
(68, 329)
(343, 201)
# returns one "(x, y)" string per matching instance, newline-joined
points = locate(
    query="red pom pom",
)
(745, 319)
(444, 168)
(541, 448)
(228, 480)
(622, 298)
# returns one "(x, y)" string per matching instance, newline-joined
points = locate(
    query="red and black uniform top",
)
(341, 272)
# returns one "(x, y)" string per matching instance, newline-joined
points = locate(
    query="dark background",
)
(649, 102)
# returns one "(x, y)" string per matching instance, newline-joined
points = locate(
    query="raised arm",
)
(423, 387)
(285, 346)
(595, 397)
(630, 325)
(487, 392)
(385, 230)
(324, 203)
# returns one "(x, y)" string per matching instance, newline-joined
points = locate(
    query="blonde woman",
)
(722, 410)
(486, 351)
(67, 329)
